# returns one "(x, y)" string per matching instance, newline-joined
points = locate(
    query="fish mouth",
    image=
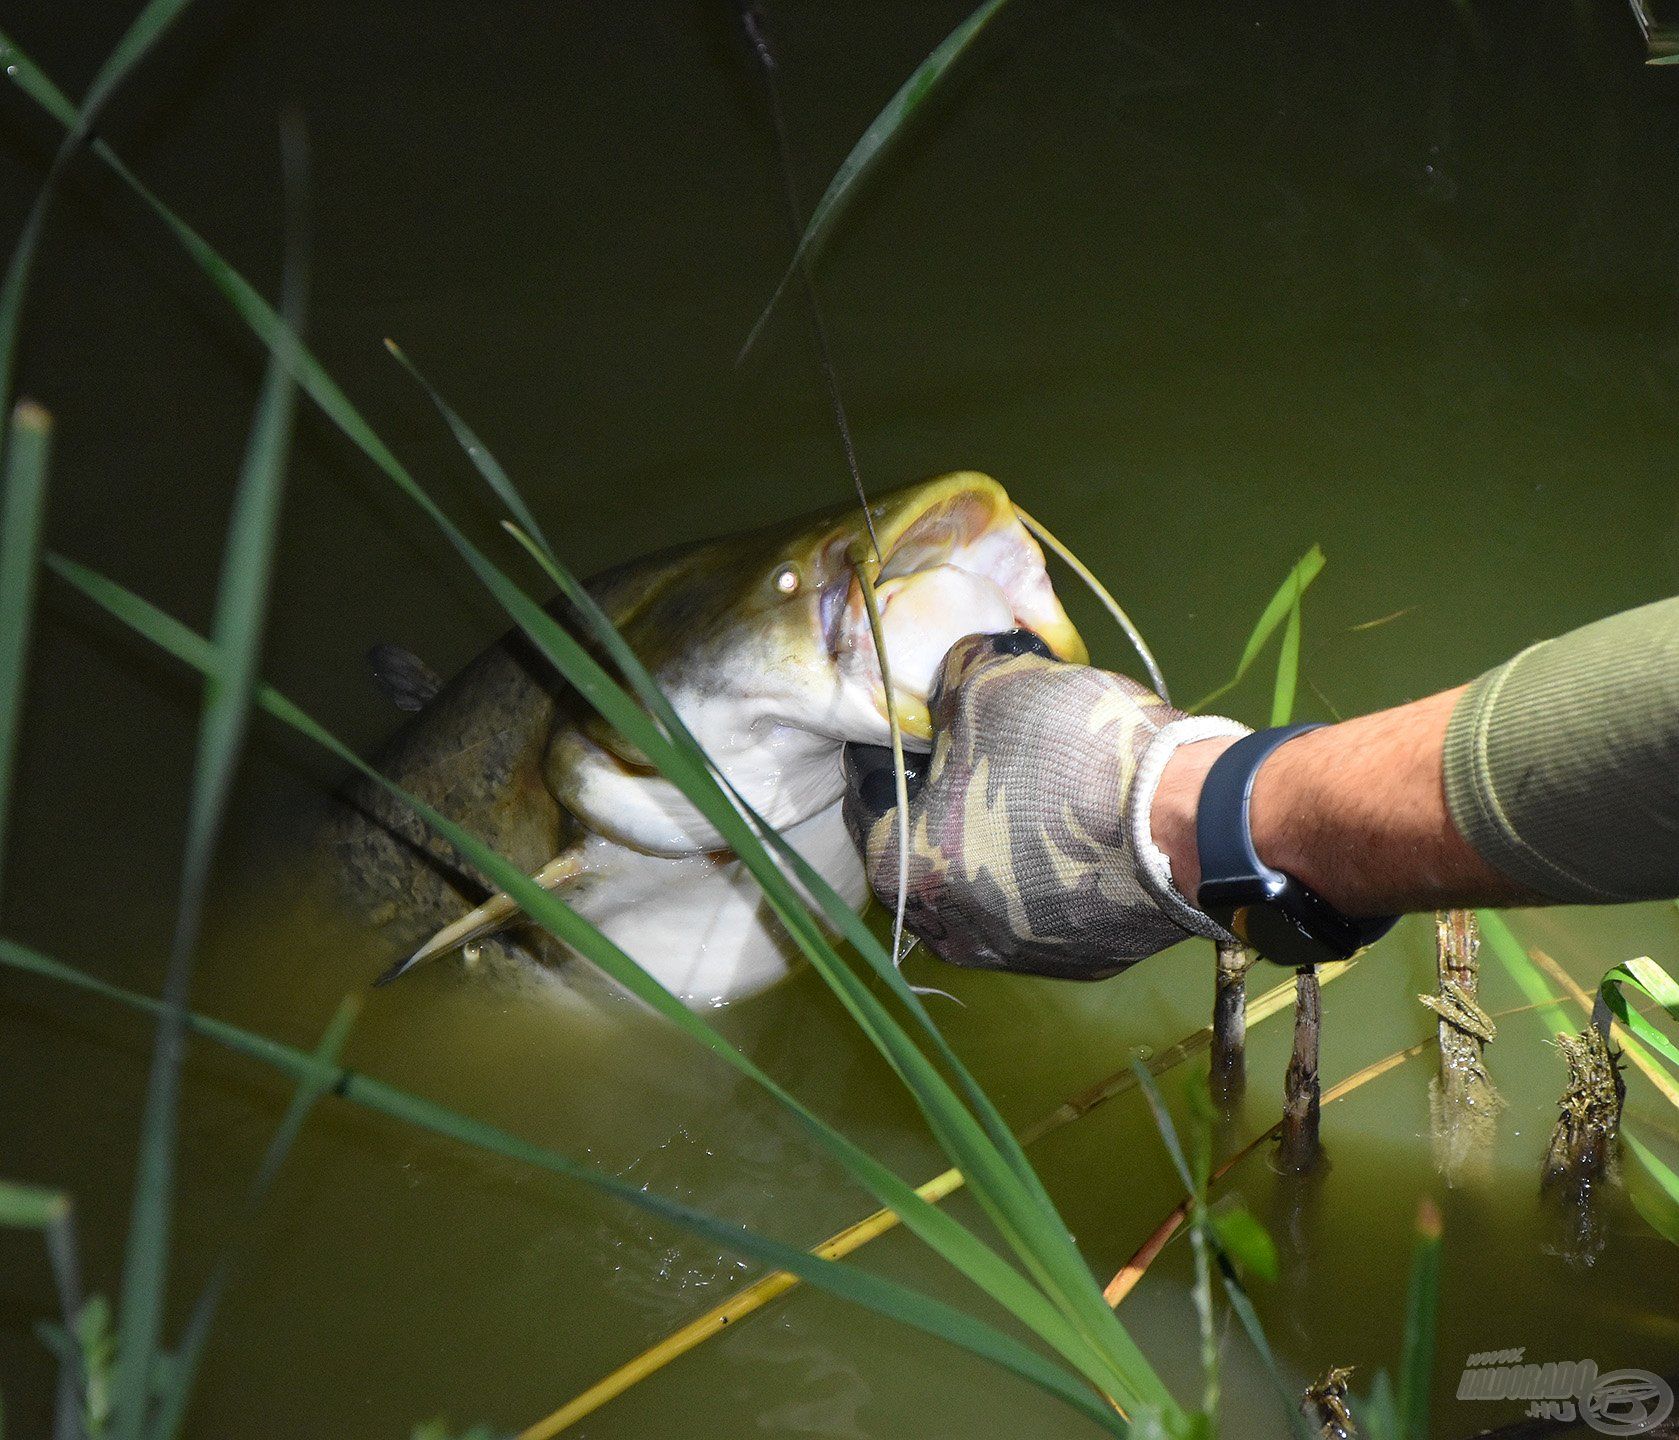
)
(956, 560)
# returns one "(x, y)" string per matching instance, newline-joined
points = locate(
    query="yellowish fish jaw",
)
(958, 562)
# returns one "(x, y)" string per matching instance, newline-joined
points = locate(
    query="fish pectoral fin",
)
(494, 914)
(406, 680)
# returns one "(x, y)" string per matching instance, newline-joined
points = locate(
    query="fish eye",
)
(788, 580)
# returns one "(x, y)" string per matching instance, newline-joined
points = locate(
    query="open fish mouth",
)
(956, 560)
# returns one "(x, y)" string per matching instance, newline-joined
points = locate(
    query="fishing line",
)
(757, 39)
(752, 24)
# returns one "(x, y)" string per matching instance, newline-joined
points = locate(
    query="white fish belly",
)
(699, 923)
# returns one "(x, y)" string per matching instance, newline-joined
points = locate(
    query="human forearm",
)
(1357, 811)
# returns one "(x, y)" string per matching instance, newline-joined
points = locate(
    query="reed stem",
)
(1300, 1151)
(1230, 1028)
(1463, 1102)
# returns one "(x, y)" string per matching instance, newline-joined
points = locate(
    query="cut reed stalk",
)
(1230, 1031)
(1580, 1157)
(1300, 1151)
(1324, 1404)
(1125, 1280)
(1463, 1102)
(1629, 1045)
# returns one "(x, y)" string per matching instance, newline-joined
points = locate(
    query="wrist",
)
(1172, 815)
(1143, 813)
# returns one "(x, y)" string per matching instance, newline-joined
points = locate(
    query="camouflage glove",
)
(1029, 834)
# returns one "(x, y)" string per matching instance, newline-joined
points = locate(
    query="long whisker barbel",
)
(1100, 591)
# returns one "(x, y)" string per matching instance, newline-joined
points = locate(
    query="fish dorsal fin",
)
(405, 679)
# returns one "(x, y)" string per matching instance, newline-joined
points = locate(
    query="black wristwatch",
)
(1265, 908)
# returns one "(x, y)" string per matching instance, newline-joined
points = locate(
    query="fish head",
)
(763, 643)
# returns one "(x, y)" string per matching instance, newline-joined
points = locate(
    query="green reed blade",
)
(1653, 1188)
(1163, 1123)
(230, 682)
(34, 1207)
(1246, 1241)
(30, 1207)
(885, 1297)
(882, 131)
(1288, 668)
(1513, 956)
(1240, 1302)
(1647, 977)
(311, 1089)
(1194, 1179)
(29, 443)
(1422, 1303)
(959, 1246)
(1001, 1179)
(1205, 1232)
(478, 452)
(1294, 585)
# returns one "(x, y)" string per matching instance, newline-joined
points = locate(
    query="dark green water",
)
(1200, 288)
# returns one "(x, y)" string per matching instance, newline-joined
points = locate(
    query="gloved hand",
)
(1029, 832)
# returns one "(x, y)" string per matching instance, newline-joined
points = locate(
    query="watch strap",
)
(1268, 908)
(1223, 830)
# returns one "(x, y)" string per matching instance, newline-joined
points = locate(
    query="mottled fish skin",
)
(474, 753)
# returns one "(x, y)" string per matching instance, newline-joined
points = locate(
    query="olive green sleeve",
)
(1562, 765)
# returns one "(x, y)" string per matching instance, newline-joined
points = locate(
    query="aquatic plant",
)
(1653, 1185)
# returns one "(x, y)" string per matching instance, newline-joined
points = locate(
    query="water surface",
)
(1201, 288)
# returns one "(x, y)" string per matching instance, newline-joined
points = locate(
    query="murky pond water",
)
(1199, 288)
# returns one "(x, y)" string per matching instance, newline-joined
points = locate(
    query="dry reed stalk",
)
(1463, 1102)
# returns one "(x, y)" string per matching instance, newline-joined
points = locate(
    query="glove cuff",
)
(1154, 869)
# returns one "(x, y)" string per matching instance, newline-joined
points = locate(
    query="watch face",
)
(1278, 936)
